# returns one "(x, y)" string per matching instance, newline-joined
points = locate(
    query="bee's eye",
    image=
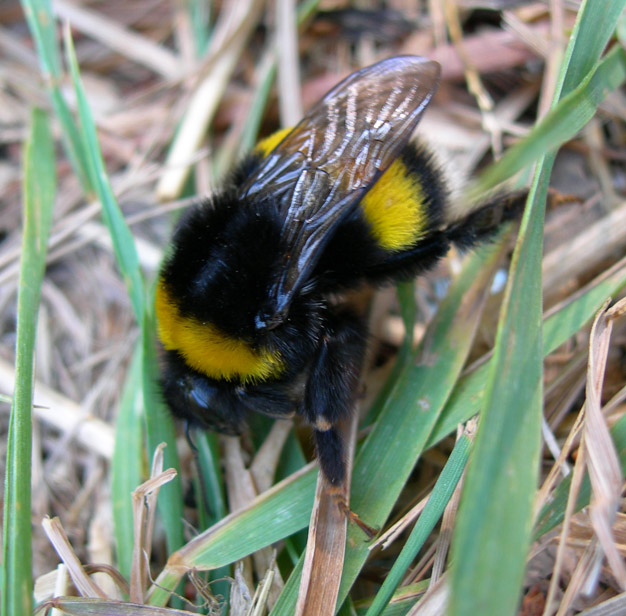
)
(204, 402)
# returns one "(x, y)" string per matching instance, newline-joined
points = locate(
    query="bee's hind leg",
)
(331, 385)
(330, 453)
(328, 398)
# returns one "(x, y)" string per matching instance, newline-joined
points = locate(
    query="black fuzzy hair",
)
(421, 162)
(222, 261)
(353, 255)
(330, 453)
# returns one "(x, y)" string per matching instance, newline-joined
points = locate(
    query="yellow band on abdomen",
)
(207, 349)
(265, 146)
(395, 208)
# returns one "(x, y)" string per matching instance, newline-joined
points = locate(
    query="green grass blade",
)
(562, 123)
(401, 602)
(408, 308)
(43, 29)
(274, 515)
(592, 32)
(493, 529)
(123, 242)
(39, 190)
(467, 398)
(397, 439)
(423, 388)
(621, 29)
(292, 458)
(251, 130)
(437, 502)
(230, 153)
(127, 465)
(210, 497)
(210, 478)
(159, 423)
(199, 15)
(41, 22)
(160, 429)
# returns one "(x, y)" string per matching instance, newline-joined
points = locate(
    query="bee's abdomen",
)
(395, 209)
(265, 146)
(406, 202)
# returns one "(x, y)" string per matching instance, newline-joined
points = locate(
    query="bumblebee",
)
(246, 298)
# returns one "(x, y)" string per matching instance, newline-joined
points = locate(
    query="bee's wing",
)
(323, 167)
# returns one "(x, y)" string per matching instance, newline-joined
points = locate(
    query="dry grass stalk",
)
(472, 76)
(78, 606)
(326, 544)
(144, 508)
(245, 484)
(557, 44)
(598, 454)
(265, 462)
(61, 585)
(65, 415)
(227, 44)
(262, 595)
(321, 574)
(489, 52)
(130, 44)
(144, 512)
(435, 600)
(584, 577)
(603, 462)
(422, 567)
(611, 607)
(289, 100)
(85, 585)
(394, 531)
(585, 251)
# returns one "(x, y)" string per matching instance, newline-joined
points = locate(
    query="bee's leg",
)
(483, 223)
(342, 504)
(330, 453)
(332, 382)
(271, 399)
(409, 263)
(328, 397)
(479, 226)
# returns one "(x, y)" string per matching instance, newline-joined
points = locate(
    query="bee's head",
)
(201, 401)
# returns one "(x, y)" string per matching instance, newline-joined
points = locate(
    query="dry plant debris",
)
(176, 96)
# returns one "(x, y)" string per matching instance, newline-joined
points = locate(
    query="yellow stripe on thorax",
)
(395, 208)
(208, 350)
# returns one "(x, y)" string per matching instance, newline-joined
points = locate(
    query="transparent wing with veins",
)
(324, 166)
